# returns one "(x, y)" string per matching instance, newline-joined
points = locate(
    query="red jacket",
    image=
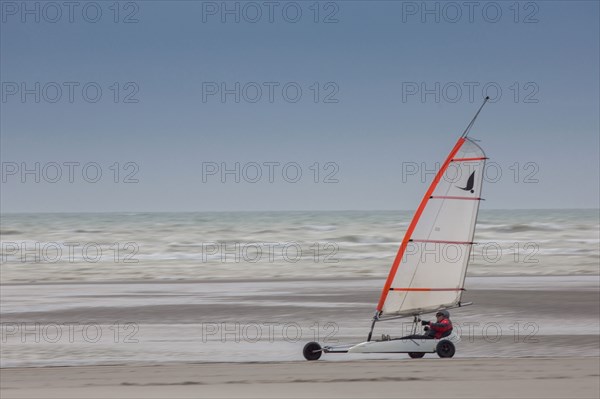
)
(444, 326)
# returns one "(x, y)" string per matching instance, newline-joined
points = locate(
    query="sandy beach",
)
(523, 337)
(423, 378)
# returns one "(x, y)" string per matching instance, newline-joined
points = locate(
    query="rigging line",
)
(470, 125)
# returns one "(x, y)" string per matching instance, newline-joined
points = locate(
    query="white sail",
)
(430, 268)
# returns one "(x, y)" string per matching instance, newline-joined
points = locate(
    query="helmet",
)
(444, 313)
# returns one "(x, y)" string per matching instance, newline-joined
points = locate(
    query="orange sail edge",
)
(413, 223)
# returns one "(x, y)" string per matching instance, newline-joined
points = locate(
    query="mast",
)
(408, 237)
(470, 125)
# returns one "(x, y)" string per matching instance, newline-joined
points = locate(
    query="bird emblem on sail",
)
(470, 184)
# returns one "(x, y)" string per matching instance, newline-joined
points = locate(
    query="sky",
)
(304, 105)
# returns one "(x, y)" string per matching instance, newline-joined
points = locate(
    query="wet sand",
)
(288, 300)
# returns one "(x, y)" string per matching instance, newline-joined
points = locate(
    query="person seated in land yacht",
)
(442, 327)
(439, 329)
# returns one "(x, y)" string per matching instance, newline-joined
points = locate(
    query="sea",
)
(87, 247)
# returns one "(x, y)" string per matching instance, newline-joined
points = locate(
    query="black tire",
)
(416, 355)
(312, 351)
(445, 348)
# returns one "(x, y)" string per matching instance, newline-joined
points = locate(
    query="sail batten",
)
(427, 289)
(456, 198)
(468, 159)
(443, 241)
(431, 262)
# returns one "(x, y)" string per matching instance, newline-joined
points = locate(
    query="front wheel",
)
(445, 348)
(416, 355)
(312, 351)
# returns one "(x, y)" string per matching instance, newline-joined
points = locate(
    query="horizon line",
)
(281, 211)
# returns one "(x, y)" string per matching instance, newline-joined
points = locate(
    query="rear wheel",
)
(416, 355)
(312, 351)
(445, 348)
